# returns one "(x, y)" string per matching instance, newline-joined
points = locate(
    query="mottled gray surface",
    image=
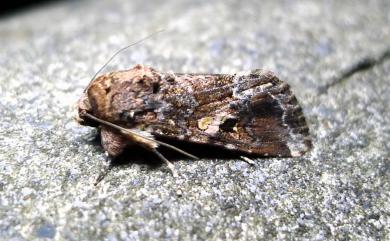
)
(48, 162)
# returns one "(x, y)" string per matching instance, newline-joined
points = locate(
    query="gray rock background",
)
(340, 190)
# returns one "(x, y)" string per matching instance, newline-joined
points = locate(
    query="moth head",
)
(84, 106)
(94, 100)
(122, 96)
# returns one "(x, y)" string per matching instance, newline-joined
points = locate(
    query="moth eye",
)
(228, 124)
(126, 116)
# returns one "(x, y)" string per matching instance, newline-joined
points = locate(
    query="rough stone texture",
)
(48, 162)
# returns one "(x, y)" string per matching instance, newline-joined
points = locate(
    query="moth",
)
(251, 112)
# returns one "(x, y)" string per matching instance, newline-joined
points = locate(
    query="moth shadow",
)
(131, 155)
(139, 155)
(203, 151)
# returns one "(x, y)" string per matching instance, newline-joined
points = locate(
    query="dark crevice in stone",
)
(362, 64)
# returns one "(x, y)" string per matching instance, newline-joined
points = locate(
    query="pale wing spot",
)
(230, 146)
(204, 123)
(212, 130)
(171, 122)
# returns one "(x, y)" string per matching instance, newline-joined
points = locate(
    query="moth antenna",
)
(177, 149)
(136, 134)
(121, 50)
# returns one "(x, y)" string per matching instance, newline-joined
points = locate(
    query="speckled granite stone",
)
(48, 162)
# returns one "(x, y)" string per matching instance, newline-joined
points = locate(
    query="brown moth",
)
(252, 112)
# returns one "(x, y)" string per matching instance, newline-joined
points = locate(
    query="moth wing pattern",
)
(253, 112)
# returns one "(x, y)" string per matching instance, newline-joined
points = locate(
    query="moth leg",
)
(113, 143)
(171, 167)
(107, 168)
(247, 160)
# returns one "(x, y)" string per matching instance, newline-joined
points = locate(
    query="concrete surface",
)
(339, 191)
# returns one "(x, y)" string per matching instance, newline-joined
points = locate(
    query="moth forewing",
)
(251, 112)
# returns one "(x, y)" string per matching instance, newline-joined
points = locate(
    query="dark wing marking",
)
(253, 112)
